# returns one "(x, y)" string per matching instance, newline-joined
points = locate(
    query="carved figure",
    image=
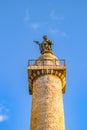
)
(45, 46)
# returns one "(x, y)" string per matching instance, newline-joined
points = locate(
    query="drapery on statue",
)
(45, 46)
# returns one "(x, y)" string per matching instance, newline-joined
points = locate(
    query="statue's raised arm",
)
(37, 42)
(40, 45)
(45, 46)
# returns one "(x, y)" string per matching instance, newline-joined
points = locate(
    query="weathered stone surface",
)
(47, 105)
(47, 80)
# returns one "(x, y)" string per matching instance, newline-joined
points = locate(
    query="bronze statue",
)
(45, 46)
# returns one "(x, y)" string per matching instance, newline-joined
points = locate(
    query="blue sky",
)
(21, 22)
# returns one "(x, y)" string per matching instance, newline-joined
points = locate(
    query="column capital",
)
(35, 71)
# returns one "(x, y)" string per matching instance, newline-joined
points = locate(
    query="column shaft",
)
(47, 104)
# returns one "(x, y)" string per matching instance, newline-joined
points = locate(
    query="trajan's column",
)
(47, 80)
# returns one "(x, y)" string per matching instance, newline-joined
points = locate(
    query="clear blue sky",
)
(21, 22)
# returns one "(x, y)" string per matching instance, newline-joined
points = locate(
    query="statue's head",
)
(45, 37)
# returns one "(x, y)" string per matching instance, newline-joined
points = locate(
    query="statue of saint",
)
(45, 46)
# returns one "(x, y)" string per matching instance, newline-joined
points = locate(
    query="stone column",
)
(47, 83)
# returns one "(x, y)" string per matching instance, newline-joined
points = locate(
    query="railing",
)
(55, 61)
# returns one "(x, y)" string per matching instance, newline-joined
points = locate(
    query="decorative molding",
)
(35, 72)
